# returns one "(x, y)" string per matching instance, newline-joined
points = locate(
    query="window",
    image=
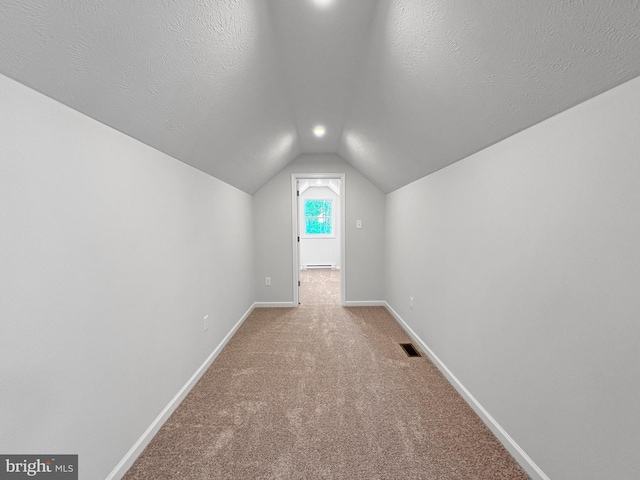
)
(318, 218)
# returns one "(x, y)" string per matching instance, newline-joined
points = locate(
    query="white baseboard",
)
(332, 267)
(273, 304)
(137, 448)
(528, 465)
(366, 303)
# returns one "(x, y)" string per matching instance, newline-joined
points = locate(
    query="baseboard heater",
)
(318, 266)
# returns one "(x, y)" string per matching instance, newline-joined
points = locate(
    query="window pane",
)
(318, 217)
(327, 207)
(312, 208)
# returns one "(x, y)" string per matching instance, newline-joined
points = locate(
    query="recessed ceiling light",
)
(322, 3)
(319, 131)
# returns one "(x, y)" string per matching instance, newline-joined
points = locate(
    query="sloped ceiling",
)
(446, 78)
(404, 87)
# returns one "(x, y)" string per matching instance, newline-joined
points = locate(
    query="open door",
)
(297, 264)
(302, 185)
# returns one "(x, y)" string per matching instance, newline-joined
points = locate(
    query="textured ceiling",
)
(446, 78)
(197, 79)
(404, 87)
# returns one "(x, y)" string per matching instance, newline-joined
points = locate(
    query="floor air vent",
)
(410, 350)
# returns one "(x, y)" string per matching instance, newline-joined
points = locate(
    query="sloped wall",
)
(111, 253)
(524, 264)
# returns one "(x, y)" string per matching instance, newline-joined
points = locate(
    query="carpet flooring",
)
(323, 392)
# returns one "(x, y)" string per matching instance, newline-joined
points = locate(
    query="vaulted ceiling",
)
(403, 87)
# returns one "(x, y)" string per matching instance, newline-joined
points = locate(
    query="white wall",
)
(321, 251)
(364, 247)
(111, 253)
(524, 262)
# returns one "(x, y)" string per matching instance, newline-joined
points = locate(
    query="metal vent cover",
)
(410, 350)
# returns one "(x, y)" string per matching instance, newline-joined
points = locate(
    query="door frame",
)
(295, 230)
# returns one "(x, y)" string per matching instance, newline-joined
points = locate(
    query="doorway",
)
(318, 218)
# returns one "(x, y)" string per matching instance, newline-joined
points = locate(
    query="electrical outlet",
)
(358, 223)
(205, 323)
(411, 303)
(267, 281)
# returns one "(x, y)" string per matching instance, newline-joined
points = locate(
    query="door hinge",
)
(298, 282)
(297, 193)
(298, 238)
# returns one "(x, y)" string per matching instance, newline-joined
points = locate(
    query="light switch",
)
(358, 223)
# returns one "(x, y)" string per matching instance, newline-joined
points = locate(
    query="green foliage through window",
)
(318, 216)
